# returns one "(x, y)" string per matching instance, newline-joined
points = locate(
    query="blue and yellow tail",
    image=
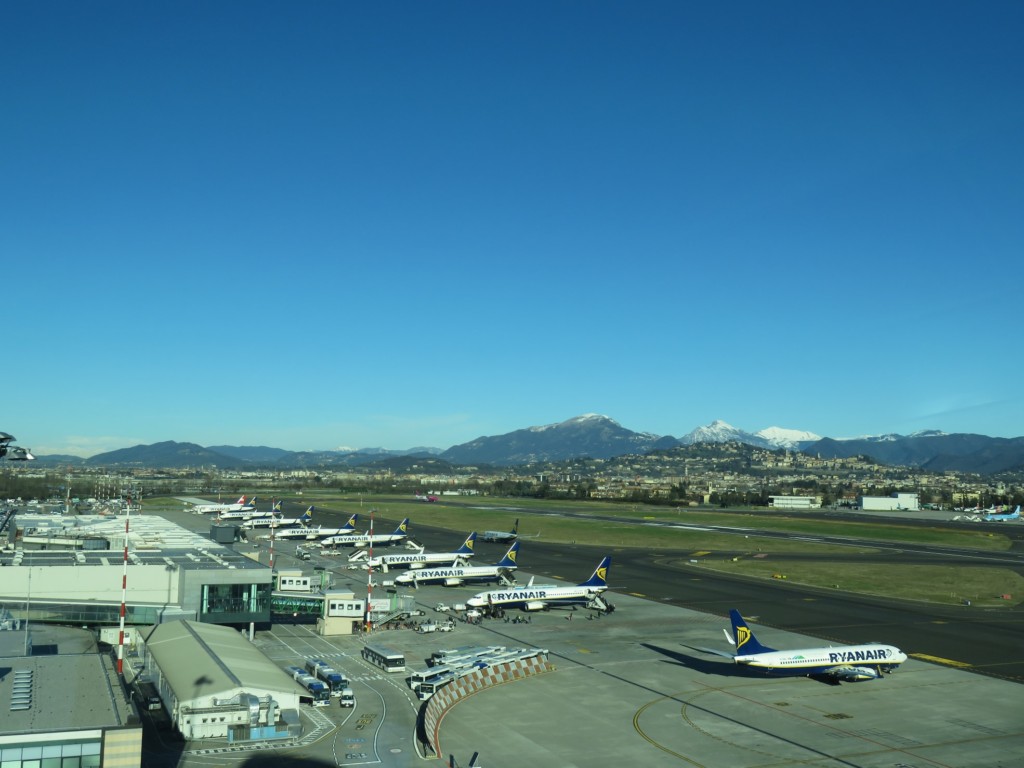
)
(509, 560)
(402, 529)
(351, 524)
(467, 545)
(599, 578)
(306, 516)
(743, 636)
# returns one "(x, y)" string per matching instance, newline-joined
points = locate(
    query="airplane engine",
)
(858, 674)
(535, 605)
(452, 582)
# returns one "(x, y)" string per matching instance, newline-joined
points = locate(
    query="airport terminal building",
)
(71, 570)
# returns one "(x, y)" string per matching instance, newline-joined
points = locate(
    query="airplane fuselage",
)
(534, 598)
(455, 574)
(850, 661)
(418, 559)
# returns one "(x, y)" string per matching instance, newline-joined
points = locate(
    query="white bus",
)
(386, 658)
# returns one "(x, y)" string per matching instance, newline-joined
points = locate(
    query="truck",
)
(347, 698)
(317, 694)
(335, 681)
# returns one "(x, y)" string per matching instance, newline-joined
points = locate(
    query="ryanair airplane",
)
(834, 664)
(537, 598)
(499, 573)
(422, 558)
(401, 533)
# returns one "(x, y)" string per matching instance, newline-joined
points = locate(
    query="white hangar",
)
(214, 683)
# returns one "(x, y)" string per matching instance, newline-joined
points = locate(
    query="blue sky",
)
(322, 224)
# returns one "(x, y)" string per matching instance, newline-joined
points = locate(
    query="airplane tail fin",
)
(743, 636)
(276, 506)
(306, 517)
(509, 560)
(515, 528)
(351, 524)
(241, 499)
(467, 545)
(403, 528)
(599, 578)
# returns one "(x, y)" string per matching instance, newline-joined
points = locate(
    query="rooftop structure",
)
(70, 569)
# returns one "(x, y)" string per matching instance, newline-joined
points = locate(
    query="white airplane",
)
(241, 504)
(276, 520)
(834, 664)
(305, 531)
(422, 558)
(503, 537)
(499, 573)
(401, 533)
(536, 598)
(1002, 517)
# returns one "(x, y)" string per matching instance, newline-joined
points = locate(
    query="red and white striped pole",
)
(124, 591)
(272, 529)
(369, 578)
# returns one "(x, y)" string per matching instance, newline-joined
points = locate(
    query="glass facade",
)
(68, 754)
(227, 603)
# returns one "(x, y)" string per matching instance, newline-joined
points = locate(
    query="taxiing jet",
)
(499, 573)
(502, 536)
(422, 558)
(834, 664)
(241, 504)
(1002, 517)
(401, 533)
(425, 497)
(535, 598)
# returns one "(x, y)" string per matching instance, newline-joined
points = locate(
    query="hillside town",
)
(721, 474)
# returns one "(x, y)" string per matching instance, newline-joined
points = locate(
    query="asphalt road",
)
(988, 641)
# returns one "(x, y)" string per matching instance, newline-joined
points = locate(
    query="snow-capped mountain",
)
(719, 431)
(793, 439)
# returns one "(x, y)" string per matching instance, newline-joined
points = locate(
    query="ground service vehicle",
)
(322, 671)
(317, 694)
(386, 658)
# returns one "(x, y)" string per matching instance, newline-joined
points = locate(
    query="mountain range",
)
(590, 435)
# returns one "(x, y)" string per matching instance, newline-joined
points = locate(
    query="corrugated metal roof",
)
(201, 660)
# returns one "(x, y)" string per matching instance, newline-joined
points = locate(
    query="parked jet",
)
(499, 573)
(422, 558)
(536, 598)
(401, 533)
(1002, 517)
(306, 531)
(348, 527)
(278, 521)
(834, 664)
(206, 509)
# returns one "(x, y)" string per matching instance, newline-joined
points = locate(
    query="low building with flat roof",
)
(70, 569)
(68, 710)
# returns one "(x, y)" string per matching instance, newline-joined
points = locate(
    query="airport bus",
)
(386, 658)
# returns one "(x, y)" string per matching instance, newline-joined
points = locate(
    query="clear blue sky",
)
(321, 224)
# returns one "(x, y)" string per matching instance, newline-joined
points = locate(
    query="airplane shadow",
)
(705, 663)
(709, 665)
